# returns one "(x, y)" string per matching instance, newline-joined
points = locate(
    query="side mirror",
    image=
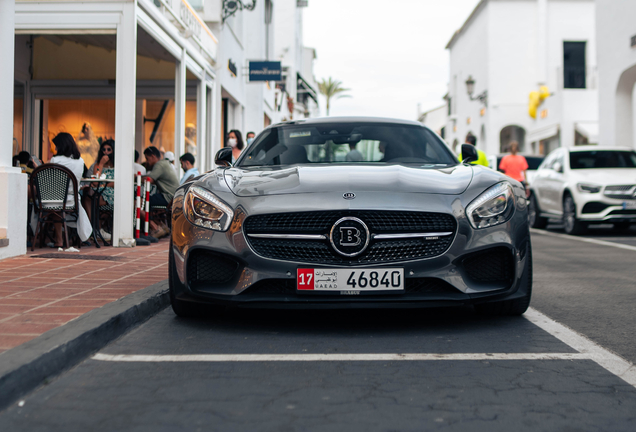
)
(223, 157)
(558, 167)
(469, 153)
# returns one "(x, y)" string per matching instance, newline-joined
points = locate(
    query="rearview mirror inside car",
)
(223, 157)
(469, 153)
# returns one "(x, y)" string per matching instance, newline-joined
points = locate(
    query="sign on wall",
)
(265, 71)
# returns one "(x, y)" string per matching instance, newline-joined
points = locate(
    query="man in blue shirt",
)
(187, 165)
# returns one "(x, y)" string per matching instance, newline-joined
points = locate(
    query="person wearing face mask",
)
(235, 140)
(250, 137)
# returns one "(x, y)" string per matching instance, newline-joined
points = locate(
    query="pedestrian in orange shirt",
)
(514, 165)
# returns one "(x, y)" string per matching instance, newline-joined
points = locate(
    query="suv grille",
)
(378, 222)
(492, 266)
(620, 191)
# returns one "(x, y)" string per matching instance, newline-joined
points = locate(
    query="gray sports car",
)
(350, 213)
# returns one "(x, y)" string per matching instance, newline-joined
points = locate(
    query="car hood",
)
(348, 178)
(606, 176)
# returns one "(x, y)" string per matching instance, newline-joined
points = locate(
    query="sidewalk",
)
(46, 289)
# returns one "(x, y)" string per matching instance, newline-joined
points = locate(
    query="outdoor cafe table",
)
(98, 186)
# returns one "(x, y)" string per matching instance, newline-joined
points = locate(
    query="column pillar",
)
(13, 184)
(179, 107)
(202, 105)
(125, 106)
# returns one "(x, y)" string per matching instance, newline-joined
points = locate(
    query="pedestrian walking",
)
(482, 159)
(249, 138)
(235, 140)
(514, 165)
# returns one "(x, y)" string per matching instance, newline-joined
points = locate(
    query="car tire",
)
(181, 308)
(517, 306)
(571, 225)
(534, 218)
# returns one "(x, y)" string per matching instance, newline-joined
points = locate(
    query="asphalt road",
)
(586, 286)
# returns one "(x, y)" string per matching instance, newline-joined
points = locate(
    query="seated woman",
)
(68, 155)
(105, 166)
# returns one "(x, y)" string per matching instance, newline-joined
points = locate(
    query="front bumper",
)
(597, 208)
(444, 280)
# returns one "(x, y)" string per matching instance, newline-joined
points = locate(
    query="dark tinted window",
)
(602, 159)
(574, 64)
(534, 162)
(347, 143)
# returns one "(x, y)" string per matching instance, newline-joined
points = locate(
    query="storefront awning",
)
(304, 87)
(542, 133)
(588, 130)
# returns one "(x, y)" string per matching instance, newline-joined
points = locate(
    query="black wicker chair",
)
(51, 185)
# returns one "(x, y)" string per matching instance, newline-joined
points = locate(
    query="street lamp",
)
(231, 6)
(470, 88)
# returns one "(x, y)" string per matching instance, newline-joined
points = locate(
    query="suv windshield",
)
(603, 159)
(354, 142)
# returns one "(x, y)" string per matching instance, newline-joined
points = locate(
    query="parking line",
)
(583, 239)
(337, 357)
(605, 358)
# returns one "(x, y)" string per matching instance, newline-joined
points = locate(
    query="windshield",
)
(354, 142)
(602, 159)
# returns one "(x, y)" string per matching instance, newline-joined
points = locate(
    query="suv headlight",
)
(588, 188)
(204, 209)
(493, 207)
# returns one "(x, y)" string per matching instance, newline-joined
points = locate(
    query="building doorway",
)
(512, 133)
(625, 108)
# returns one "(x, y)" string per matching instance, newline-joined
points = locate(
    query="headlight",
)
(204, 209)
(493, 207)
(588, 188)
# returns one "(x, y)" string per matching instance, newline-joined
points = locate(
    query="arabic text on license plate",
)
(629, 205)
(360, 279)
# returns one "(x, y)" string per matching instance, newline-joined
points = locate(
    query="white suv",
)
(583, 185)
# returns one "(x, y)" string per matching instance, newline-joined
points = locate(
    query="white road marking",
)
(583, 239)
(605, 358)
(336, 357)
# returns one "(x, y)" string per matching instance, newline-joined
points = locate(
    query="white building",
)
(435, 119)
(141, 72)
(510, 48)
(297, 95)
(616, 41)
(244, 35)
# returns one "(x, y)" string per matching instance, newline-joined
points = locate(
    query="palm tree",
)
(332, 89)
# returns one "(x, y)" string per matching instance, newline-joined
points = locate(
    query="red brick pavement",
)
(38, 294)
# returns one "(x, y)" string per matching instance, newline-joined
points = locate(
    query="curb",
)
(27, 366)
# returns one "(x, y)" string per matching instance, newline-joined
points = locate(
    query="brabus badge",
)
(349, 195)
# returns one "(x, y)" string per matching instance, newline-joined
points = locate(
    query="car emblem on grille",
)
(348, 195)
(349, 236)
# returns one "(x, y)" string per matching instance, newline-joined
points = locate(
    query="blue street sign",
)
(265, 71)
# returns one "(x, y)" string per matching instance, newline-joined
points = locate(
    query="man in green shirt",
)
(163, 176)
(483, 159)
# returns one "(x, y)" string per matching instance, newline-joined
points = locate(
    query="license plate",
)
(350, 281)
(629, 205)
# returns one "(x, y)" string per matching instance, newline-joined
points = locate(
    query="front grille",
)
(622, 212)
(378, 222)
(620, 191)
(210, 268)
(411, 286)
(492, 266)
(594, 207)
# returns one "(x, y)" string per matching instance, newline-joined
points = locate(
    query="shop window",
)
(574, 65)
(18, 118)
